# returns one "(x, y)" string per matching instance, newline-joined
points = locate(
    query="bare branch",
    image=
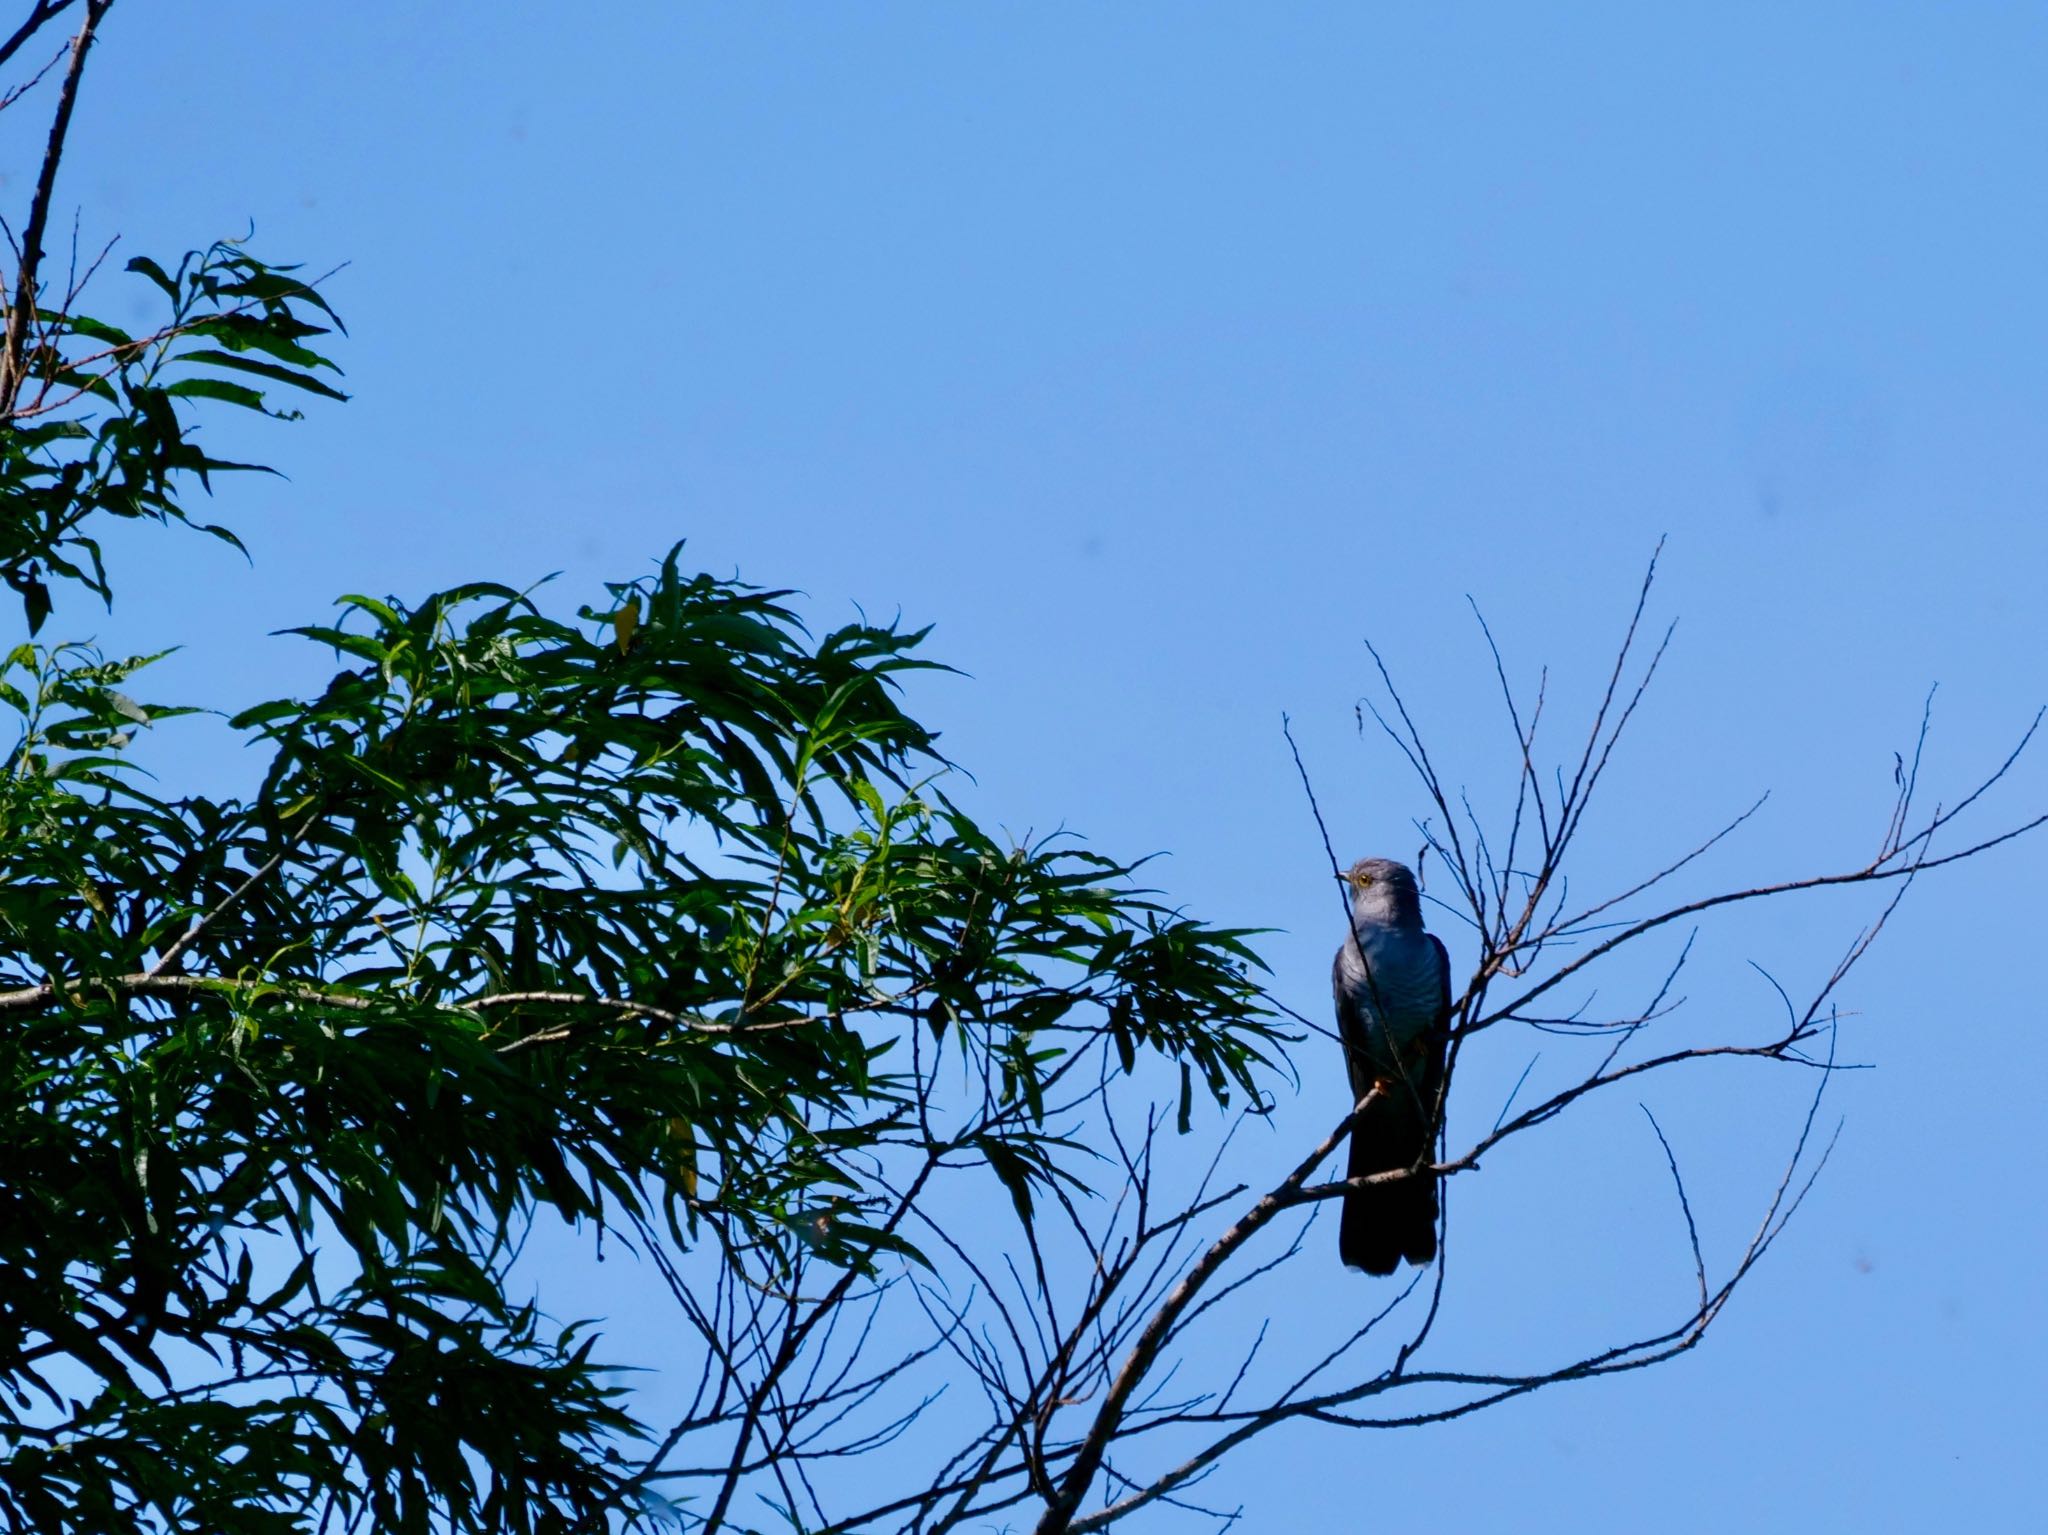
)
(39, 16)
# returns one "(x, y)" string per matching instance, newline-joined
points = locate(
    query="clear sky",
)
(1157, 354)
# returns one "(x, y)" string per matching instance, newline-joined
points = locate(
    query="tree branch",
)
(21, 311)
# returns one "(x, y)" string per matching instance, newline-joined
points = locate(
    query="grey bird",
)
(1393, 987)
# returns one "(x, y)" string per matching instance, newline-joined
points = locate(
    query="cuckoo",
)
(1393, 986)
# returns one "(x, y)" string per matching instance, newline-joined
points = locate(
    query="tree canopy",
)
(626, 915)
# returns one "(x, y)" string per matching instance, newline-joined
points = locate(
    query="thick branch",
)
(44, 12)
(1059, 1516)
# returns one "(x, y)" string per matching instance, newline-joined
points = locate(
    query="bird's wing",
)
(1443, 970)
(1439, 1040)
(1351, 1028)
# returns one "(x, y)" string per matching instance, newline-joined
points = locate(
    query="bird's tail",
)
(1382, 1225)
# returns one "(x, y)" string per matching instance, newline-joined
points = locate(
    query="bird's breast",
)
(1393, 979)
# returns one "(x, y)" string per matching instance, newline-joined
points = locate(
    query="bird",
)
(1393, 988)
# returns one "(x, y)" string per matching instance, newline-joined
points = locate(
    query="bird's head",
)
(1383, 891)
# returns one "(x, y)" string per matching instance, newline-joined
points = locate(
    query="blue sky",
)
(1158, 354)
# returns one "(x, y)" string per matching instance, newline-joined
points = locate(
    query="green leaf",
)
(155, 274)
(295, 377)
(214, 389)
(127, 707)
(35, 601)
(1014, 1172)
(96, 330)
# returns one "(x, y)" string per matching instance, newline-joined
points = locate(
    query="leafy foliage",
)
(100, 427)
(628, 919)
